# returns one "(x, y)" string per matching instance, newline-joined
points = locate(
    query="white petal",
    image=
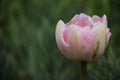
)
(75, 44)
(59, 36)
(105, 20)
(101, 38)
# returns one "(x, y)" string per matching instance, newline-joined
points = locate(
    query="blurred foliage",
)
(28, 49)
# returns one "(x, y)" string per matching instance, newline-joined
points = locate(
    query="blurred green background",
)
(28, 49)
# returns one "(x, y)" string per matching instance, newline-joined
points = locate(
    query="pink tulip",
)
(83, 38)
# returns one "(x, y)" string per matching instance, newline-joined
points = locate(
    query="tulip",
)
(83, 38)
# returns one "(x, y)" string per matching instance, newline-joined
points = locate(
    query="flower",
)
(83, 38)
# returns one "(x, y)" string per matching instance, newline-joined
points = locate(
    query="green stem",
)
(83, 72)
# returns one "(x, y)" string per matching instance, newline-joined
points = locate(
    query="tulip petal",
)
(74, 43)
(87, 42)
(59, 36)
(109, 34)
(81, 20)
(74, 20)
(66, 33)
(96, 50)
(99, 31)
(95, 18)
(84, 20)
(104, 20)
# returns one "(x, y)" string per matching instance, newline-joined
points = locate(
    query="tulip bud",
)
(83, 38)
